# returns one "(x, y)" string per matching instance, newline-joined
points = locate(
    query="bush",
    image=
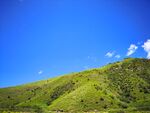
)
(101, 99)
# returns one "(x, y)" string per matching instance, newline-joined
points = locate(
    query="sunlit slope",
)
(122, 85)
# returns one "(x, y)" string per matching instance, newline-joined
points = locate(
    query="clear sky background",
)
(40, 39)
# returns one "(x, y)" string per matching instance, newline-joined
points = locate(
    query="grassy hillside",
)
(122, 87)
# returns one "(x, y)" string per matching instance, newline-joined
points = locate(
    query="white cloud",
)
(146, 47)
(109, 54)
(40, 72)
(117, 56)
(132, 49)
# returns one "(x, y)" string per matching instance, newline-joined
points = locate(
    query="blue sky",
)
(40, 39)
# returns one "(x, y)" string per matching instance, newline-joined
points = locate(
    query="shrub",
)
(105, 107)
(101, 99)
(82, 101)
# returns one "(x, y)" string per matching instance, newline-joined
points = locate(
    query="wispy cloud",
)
(20, 0)
(117, 56)
(139, 43)
(40, 72)
(109, 54)
(86, 67)
(92, 58)
(132, 49)
(146, 47)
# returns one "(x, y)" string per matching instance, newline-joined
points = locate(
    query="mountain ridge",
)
(117, 87)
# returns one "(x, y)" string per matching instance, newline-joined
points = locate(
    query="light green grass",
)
(121, 87)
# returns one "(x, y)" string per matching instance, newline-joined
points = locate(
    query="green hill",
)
(121, 87)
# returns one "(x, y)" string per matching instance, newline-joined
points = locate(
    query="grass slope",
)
(121, 87)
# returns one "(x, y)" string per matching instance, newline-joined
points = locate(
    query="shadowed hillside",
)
(121, 87)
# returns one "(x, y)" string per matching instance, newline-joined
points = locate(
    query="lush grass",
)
(121, 87)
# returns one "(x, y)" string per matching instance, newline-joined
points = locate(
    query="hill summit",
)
(120, 87)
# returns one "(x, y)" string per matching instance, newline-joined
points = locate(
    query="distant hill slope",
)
(119, 87)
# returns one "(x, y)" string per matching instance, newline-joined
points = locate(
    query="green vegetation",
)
(121, 87)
